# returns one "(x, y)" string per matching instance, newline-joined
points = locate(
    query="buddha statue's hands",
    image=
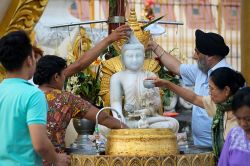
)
(122, 32)
(143, 123)
(144, 111)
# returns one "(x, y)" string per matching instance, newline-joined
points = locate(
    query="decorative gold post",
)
(22, 14)
(245, 39)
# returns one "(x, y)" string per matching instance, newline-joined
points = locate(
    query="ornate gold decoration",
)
(81, 44)
(131, 142)
(196, 161)
(113, 65)
(206, 159)
(169, 161)
(143, 36)
(22, 14)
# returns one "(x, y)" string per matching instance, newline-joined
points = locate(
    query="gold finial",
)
(143, 36)
(132, 20)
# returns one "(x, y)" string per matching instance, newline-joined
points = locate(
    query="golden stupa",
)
(143, 36)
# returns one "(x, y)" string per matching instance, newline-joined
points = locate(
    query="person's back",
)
(20, 105)
(23, 108)
(63, 106)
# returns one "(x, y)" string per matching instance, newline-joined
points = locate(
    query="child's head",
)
(15, 47)
(241, 108)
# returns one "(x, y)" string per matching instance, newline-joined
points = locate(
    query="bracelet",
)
(156, 47)
(163, 52)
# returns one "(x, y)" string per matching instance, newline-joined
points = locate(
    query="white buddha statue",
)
(141, 105)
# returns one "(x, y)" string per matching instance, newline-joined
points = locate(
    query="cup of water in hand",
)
(148, 83)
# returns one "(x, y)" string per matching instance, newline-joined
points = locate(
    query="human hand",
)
(62, 160)
(157, 81)
(143, 123)
(124, 126)
(122, 32)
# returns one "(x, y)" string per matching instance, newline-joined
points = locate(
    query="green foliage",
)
(87, 85)
(112, 6)
(110, 52)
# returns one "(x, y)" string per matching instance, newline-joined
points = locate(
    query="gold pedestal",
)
(141, 142)
(204, 159)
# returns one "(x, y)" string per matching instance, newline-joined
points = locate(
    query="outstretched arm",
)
(104, 119)
(92, 54)
(170, 62)
(186, 94)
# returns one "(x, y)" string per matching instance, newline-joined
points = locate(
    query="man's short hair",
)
(15, 47)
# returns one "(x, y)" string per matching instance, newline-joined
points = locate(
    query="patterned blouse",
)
(236, 149)
(62, 107)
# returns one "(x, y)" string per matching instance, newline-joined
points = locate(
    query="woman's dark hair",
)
(15, 47)
(225, 76)
(241, 98)
(46, 67)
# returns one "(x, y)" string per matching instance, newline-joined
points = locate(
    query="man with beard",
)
(210, 53)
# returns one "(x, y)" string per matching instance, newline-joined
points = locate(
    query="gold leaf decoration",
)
(169, 160)
(22, 15)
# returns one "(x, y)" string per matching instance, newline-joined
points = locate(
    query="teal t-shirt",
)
(21, 105)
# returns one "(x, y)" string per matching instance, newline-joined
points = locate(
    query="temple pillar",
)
(245, 39)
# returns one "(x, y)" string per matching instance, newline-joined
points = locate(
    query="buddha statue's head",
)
(142, 35)
(133, 54)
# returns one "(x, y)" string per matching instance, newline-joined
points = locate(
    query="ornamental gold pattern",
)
(204, 159)
(81, 44)
(24, 15)
(141, 142)
(21, 15)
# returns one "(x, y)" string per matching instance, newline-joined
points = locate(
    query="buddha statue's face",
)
(133, 59)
